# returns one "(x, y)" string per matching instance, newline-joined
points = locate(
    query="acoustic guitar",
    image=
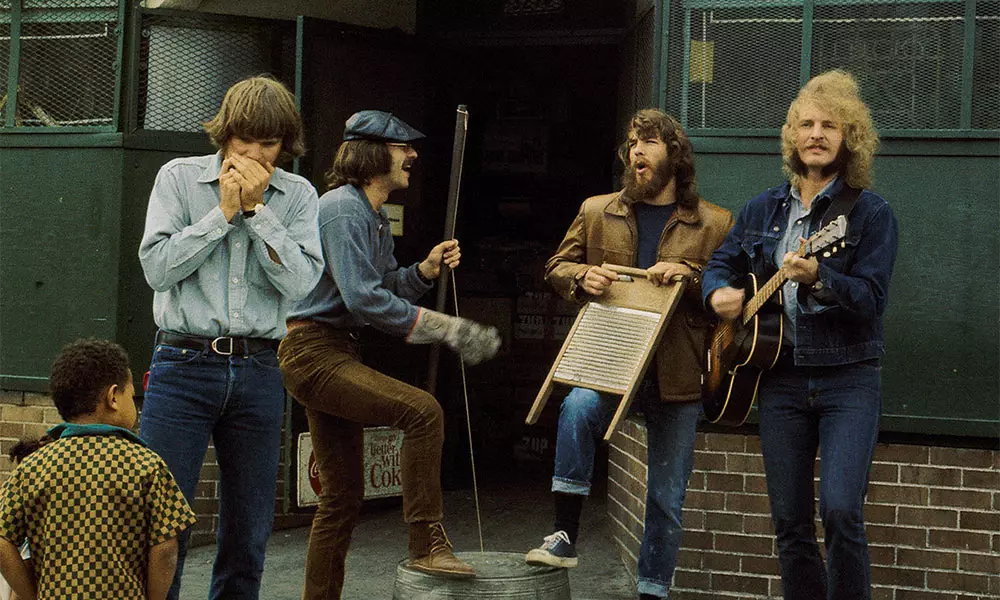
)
(743, 348)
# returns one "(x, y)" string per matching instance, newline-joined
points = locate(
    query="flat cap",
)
(380, 126)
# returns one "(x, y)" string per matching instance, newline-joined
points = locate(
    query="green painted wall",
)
(942, 367)
(60, 219)
(71, 218)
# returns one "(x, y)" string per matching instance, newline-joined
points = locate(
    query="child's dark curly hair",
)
(20, 451)
(82, 372)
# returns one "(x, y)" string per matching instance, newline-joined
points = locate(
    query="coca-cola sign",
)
(382, 474)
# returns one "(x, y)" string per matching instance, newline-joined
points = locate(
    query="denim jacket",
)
(844, 324)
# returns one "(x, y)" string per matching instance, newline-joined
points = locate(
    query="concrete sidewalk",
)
(516, 514)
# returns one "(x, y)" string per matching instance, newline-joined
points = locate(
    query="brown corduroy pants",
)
(322, 369)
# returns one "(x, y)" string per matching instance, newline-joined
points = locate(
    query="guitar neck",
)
(825, 238)
(763, 294)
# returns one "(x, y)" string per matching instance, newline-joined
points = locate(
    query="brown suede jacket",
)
(604, 231)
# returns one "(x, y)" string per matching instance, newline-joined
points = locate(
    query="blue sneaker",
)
(556, 551)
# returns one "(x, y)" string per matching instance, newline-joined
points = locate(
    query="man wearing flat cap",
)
(362, 285)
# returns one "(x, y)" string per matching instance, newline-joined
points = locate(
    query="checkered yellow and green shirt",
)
(91, 507)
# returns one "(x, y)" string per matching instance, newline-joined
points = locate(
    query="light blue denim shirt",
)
(799, 218)
(211, 277)
(362, 283)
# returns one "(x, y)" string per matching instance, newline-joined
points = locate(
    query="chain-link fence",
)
(186, 64)
(737, 65)
(67, 57)
(5, 23)
(67, 63)
(907, 58)
(986, 73)
(743, 64)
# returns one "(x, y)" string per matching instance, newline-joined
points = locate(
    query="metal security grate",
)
(986, 74)
(673, 79)
(907, 58)
(67, 63)
(5, 19)
(736, 64)
(188, 63)
(644, 61)
(638, 67)
(626, 80)
(743, 64)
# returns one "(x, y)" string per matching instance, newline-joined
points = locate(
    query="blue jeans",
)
(239, 403)
(670, 434)
(834, 409)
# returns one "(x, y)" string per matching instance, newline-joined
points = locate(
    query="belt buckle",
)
(216, 349)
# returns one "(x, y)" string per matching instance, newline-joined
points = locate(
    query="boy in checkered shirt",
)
(100, 511)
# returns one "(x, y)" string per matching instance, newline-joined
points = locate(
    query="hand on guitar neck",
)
(800, 268)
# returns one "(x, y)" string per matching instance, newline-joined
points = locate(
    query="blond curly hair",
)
(835, 92)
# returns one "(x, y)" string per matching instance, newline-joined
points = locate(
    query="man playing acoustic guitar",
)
(823, 388)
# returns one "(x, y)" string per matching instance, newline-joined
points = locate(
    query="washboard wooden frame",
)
(638, 312)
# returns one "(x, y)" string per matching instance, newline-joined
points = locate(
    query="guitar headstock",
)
(825, 240)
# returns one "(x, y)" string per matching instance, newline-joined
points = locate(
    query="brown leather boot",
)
(430, 552)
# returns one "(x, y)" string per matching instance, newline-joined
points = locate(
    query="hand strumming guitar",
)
(727, 302)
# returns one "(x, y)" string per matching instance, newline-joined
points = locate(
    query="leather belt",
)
(224, 346)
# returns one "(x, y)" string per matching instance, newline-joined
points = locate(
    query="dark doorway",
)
(542, 119)
(541, 139)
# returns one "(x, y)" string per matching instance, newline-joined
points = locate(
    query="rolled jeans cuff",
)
(568, 486)
(653, 588)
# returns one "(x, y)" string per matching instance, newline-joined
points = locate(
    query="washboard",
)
(613, 340)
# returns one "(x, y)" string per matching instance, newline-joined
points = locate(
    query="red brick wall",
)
(28, 415)
(933, 518)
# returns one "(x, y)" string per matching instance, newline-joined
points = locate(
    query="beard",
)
(839, 164)
(637, 190)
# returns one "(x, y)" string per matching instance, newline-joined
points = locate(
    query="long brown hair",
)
(259, 108)
(357, 162)
(680, 155)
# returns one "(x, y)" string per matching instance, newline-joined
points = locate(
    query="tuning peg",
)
(834, 249)
(826, 254)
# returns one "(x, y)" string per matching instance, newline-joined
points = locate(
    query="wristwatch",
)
(253, 211)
